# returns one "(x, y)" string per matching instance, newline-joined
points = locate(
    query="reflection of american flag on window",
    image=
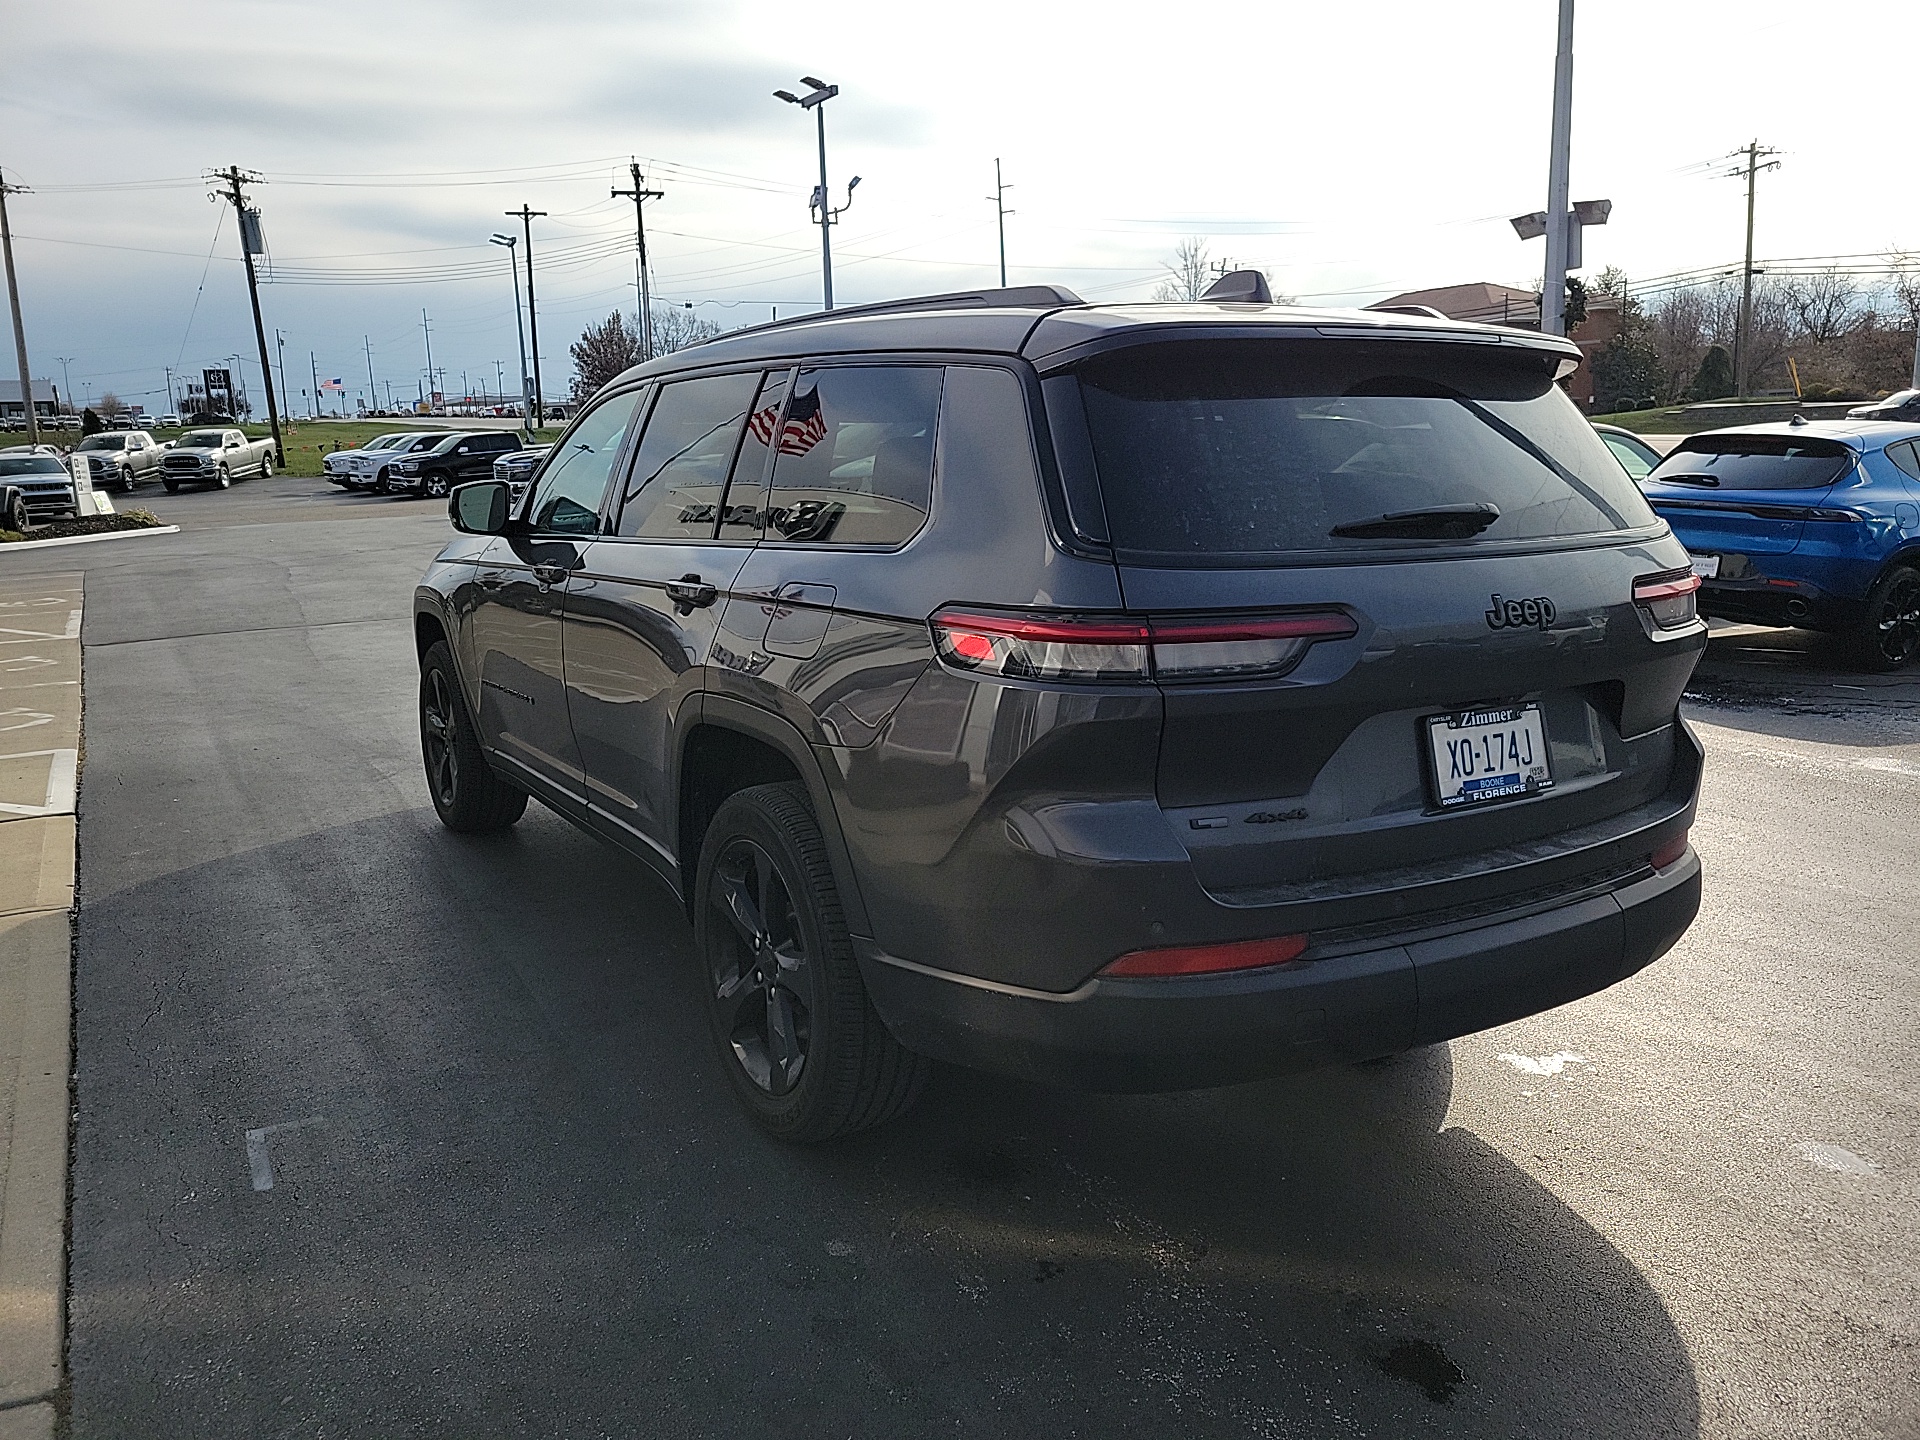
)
(806, 427)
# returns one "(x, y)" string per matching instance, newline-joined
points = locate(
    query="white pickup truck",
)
(120, 460)
(215, 457)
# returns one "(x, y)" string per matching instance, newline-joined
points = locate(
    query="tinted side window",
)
(743, 513)
(680, 469)
(1907, 457)
(567, 501)
(1631, 460)
(855, 462)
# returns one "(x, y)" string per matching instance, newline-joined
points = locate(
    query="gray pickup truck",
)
(215, 457)
(121, 460)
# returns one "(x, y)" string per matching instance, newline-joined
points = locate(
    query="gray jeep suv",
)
(1131, 696)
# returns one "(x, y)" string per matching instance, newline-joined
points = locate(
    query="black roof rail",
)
(1013, 297)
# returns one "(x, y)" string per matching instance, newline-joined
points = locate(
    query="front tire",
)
(803, 1049)
(222, 478)
(126, 482)
(467, 795)
(1888, 637)
(266, 467)
(436, 486)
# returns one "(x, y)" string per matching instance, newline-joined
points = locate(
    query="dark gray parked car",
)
(1138, 697)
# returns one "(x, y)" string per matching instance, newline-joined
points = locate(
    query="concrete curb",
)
(39, 753)
(90, 539)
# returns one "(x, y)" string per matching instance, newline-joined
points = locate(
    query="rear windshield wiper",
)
(1710, 482)
(1438, 522)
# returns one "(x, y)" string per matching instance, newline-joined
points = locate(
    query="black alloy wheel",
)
(1889, 635)
(467, 794)
(436, 484)
(801, 1045)
(222, 478)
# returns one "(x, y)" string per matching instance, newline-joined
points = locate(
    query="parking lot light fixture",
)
(520, 324)
(815, 100)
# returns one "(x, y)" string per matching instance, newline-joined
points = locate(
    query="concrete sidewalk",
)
(39, 768)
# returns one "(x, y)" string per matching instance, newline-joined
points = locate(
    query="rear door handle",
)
(492, 579)
(549, 575)
(690, 593)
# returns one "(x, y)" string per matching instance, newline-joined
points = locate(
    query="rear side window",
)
(854, 462)
(1754, 462)
(680, 470)
(1907, 457)
(1239, 452)
(567, 500)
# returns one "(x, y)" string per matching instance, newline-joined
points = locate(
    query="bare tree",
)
(109, 406)
(1825, 306)
(677, 326)
(1189, 274)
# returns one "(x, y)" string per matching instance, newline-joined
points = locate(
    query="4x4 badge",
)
(1534, 614)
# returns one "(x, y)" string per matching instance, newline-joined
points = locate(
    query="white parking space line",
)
(258, 1160)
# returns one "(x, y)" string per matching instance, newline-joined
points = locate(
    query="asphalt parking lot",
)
(513, 1197)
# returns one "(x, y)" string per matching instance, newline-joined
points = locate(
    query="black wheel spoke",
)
(783, 1041)
(740, 909)
(732, 993)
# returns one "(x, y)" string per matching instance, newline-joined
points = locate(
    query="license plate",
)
(1480, 756)
(1705, 566)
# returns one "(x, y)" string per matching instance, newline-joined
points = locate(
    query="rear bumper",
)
(1779, 600)
(1146, 1035)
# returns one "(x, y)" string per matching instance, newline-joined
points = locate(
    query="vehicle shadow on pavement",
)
(528, 1205)
(1794, 684)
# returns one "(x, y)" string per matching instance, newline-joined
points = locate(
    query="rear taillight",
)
(1207, 959)
(1020, 647)
(1668, 853)
(1668, 598)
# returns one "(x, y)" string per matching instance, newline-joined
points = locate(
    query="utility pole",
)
(314, 366)
(173, 409)
(426, 329)
(1756, 160)
(499, 377)
(250, 244)
(19, 327)
(640, 194)
(373, 385)
(1553, 286)
(527, 218)
(280, 347)
(999, 198)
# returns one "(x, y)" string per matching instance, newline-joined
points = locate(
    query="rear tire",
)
(803, 1049)
(467, 794)
(1888, 637)
(266, 467)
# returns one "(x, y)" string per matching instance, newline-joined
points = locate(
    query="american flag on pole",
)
(806, 426)
(333, 384)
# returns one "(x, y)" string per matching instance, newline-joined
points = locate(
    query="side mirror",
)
(461, 451)
(480, 508)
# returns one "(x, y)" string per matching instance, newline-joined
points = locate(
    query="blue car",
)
(1812, 524)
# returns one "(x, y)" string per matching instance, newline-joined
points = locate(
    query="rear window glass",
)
(1233, 450)
(1754, 462)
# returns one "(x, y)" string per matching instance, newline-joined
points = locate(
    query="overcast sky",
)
(1351, 150)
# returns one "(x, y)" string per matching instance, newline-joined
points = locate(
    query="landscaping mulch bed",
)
(86, 525)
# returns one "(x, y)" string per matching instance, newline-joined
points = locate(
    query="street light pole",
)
(527, 218)
(1553, 286)
(815, 100)
(519, 324)
(19, 327)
